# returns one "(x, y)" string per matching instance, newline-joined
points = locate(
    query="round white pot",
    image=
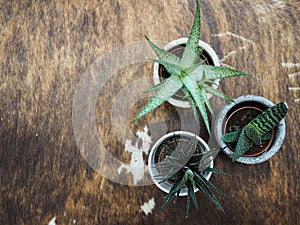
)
(166, 186)
(278, 136)
(206, 48)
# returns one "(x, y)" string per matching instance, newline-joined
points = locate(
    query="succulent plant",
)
(184, 167)
(256, 130)
(188, 74)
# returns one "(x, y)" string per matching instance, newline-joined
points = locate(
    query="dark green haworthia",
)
(258, 129)
(189, 166)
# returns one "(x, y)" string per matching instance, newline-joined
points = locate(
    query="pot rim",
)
(210, 51)
(265, 147)
(279, 134)
(166, 186)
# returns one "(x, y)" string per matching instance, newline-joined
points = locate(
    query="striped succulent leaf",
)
(242, 146)
(232, 136)
(266, 136)
(252, 133)
(266, 121)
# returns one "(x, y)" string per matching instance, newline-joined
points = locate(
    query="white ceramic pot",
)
(254, 100)
(213, 56)
(166, 186)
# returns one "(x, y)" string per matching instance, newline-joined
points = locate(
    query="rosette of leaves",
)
(188, 74)
(256, 130)
(184, 167)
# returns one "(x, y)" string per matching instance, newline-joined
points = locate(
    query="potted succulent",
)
(188, 74)
(252, 130)
(208, 56)
(180, 164)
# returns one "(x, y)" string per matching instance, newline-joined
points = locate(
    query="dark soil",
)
(240, 119)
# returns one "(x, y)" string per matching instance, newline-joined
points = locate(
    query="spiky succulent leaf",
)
(191, 51)
(183, 181)
(215, 92)
(216, 72)
(206, 191)
(194, 165)
(184, 151)
(172, 68)
(170, 86)
(191, 101)
(196, 92)
(196, 158)
(242, 146)
(170, 195)
(206, 101)
(203, 79)
(214, 170)
(155, 87)
(188, 204)
(210, 185)
(174, 163)
(191, 195)
(176, 176)
(207, 158)
(232, 136)
(266, 121)
(189, 149)
(163, 54)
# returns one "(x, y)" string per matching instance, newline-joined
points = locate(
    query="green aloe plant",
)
(256, 130)
(188, 74)
(185, 167)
